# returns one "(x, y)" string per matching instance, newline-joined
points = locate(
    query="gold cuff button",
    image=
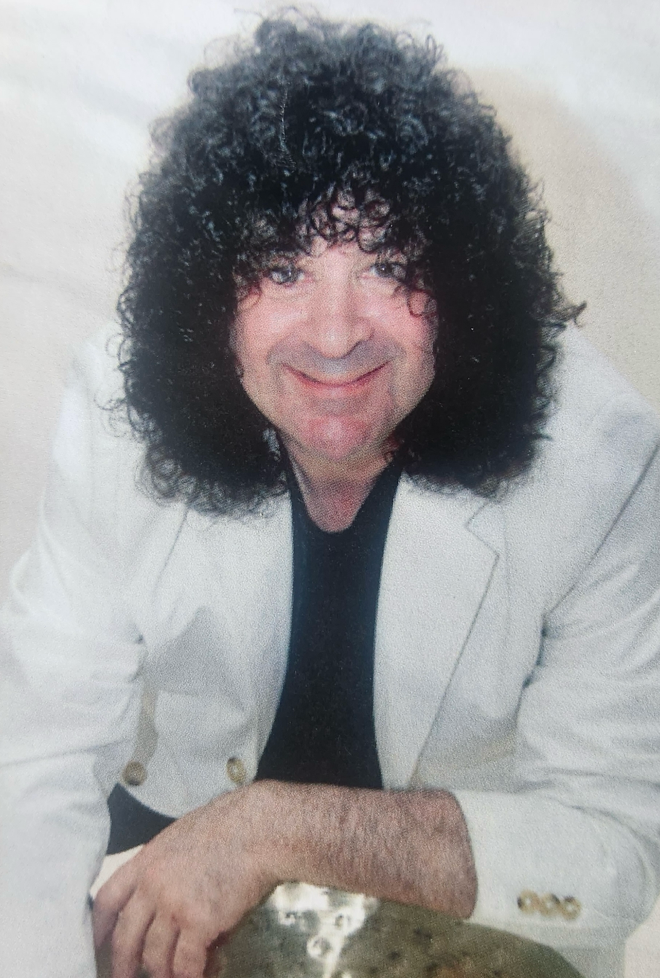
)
(528, 902)
(134, 773)
(549, 905)
(236, 770)
(570, 908)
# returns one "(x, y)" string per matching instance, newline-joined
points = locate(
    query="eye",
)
(285, 274)
(386, 268)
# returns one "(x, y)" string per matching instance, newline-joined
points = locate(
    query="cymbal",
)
(304, 931)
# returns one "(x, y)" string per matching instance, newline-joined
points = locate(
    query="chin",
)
(341, 439)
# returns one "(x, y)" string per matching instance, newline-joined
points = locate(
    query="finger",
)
(128, 937)
(109, 902)
(159, 945)
(189, 956)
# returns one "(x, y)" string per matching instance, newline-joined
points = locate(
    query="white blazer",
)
(516, 664)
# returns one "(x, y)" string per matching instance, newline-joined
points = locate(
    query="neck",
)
(333, 493)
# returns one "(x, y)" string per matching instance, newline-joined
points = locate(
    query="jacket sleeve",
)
(572, 857)
(69, 703)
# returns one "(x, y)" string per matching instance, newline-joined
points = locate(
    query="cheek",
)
(260, 325)
(414, 383)
(250, 342)
(417, 338)
(253, 339)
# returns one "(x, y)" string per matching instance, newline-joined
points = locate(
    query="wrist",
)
(246, 817)
(267, 830)
(274, 838)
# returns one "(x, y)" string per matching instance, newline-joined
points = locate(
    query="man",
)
(393, 530)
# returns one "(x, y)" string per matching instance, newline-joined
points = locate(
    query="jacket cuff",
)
(554, 874)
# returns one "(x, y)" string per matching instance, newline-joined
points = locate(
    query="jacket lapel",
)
(435, 574)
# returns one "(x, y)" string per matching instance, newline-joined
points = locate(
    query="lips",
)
(329, 386)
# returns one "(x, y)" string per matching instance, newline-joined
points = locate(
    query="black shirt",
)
(324, 727)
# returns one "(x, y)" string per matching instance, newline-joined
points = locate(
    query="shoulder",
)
(101, 461)
(95, 369)
(600, 446)
(96, 479)
(93, 433)
(599, 440)
(596, 407)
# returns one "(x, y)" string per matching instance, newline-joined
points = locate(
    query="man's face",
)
(334, 351)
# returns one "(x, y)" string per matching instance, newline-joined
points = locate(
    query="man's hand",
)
(191, 883)
(198, 878)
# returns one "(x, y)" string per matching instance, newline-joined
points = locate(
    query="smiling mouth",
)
(338, 384)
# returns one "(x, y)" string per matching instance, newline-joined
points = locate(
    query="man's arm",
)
(199, 877)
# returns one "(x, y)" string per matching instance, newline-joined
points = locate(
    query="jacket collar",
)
(436, 571)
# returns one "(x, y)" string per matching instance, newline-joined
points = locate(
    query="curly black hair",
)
(309, 116)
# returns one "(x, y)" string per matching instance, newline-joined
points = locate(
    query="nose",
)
(337, 320)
